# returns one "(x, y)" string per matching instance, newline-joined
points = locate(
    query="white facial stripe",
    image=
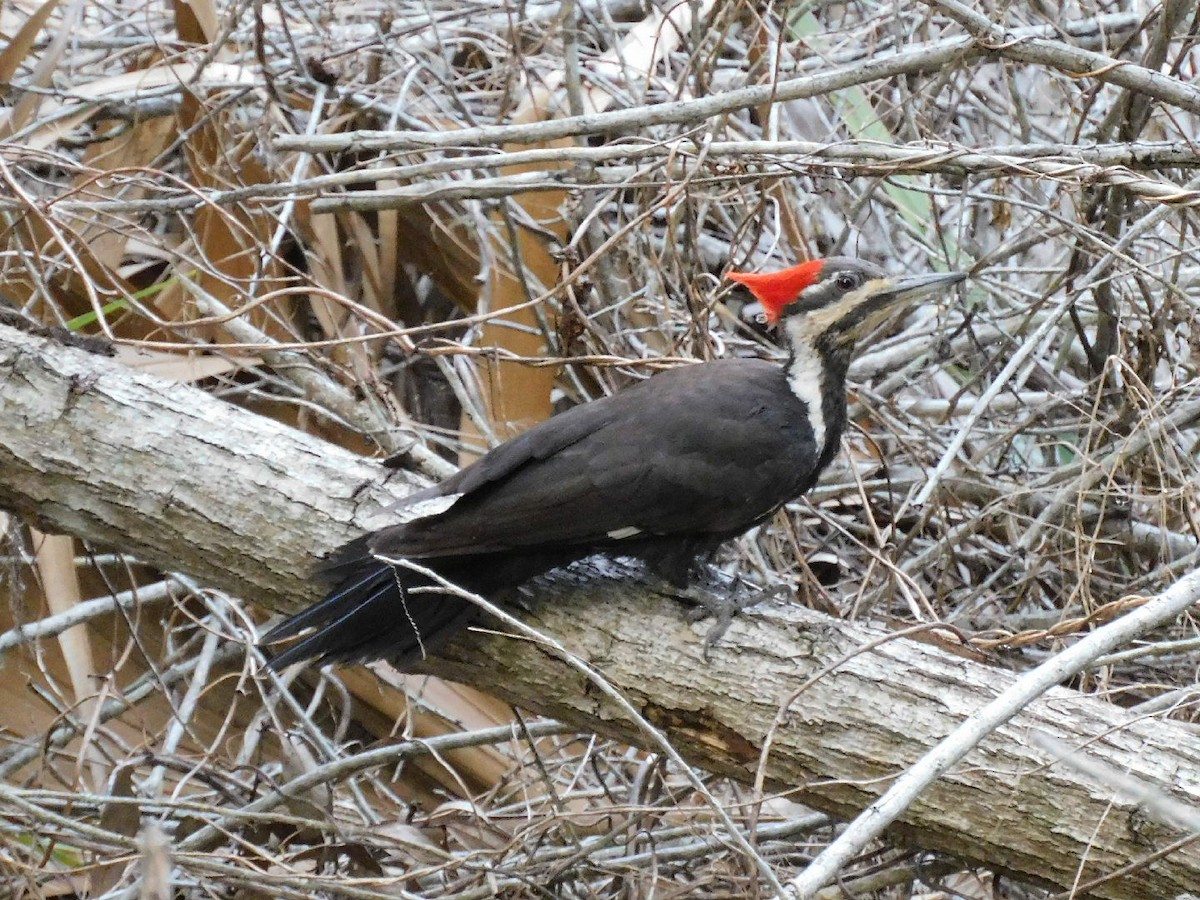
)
(823, 318)
(628, 531)
(804, 378)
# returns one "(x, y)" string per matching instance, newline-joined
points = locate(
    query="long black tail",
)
(370, 614)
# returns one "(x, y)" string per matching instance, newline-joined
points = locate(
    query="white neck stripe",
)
(804, 378)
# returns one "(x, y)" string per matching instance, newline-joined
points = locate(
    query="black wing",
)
(706, 449)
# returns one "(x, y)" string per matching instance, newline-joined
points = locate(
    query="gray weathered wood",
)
(188, 482)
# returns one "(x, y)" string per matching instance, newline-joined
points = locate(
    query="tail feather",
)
(350, 555)
(370, 614)
(341, 601)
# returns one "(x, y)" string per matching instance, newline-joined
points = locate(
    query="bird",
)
(665, 471)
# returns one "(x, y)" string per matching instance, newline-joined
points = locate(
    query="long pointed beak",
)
(916, 286)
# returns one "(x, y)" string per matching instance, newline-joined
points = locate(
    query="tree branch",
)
(1024, 44)
(188, 482)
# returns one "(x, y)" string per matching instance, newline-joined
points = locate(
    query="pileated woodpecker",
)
(665, 471)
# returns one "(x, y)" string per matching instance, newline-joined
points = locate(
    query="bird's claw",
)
(723, 606)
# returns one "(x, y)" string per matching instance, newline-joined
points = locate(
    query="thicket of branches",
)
(416, 228)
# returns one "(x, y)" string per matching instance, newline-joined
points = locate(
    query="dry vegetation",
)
(416, 227)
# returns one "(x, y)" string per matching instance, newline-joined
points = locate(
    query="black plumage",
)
(665, 471)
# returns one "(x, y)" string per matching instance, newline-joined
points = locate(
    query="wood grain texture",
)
(244, 504)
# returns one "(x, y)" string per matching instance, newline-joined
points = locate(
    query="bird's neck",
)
(816, 374)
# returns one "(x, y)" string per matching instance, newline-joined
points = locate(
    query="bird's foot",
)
(722, 604)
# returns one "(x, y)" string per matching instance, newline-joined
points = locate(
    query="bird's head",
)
(834, 300)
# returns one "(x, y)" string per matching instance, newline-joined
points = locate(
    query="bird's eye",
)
(846, 282)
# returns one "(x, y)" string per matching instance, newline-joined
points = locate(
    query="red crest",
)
(775, 290)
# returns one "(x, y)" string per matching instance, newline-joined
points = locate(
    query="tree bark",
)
(242, 503)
